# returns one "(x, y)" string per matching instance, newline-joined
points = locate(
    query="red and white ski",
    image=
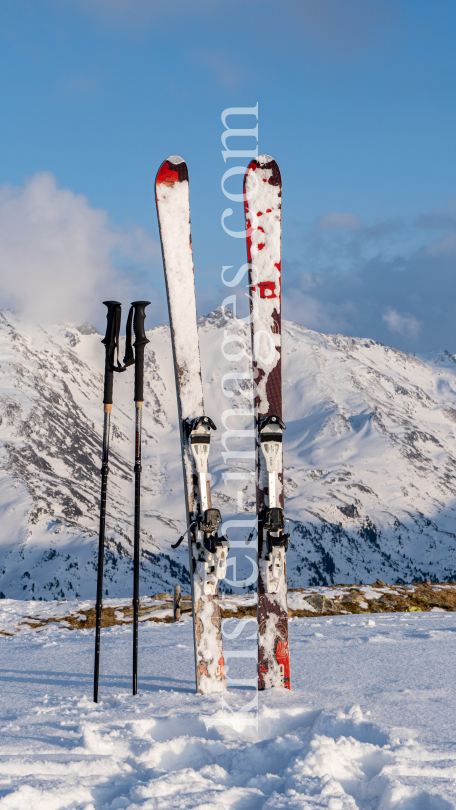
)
(207, 550)
(263, 206)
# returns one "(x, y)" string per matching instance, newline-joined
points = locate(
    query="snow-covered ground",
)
(369, 723)
(20, 616)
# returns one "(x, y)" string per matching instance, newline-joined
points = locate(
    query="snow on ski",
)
(207, 550)
(263, 201)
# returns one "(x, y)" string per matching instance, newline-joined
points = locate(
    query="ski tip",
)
(265, 162)
(173, 170)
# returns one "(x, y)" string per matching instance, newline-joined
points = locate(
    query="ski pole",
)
(111, 343)
(139, 344)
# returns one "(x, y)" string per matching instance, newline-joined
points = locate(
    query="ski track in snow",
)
(368, 724)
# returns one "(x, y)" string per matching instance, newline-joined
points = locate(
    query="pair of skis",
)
(136, 317)
(207, 548)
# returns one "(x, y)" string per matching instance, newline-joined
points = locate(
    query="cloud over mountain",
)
(57, 252)
(391, 279)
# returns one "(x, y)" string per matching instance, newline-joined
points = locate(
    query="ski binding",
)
(212, 548)
(271, 436)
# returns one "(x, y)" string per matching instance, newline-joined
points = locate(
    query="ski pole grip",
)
(139, 344)
(113, 308)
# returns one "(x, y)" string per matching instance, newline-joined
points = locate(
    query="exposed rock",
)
(350, 511)
(317, 601)
(353, 597)
(86, 329)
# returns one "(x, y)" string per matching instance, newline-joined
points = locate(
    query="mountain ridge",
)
(370, 458)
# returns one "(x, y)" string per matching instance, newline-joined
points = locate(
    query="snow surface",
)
(369, 722)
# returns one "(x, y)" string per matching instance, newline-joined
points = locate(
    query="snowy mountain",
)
(370, 458)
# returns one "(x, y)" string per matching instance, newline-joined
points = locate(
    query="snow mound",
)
(378, 738)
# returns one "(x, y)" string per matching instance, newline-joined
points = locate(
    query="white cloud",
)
(346, 26)
(339, 220)
(444, 247)
(318, 315)
(144, 12)
(56, 252)
(227, 73)
(72, 85)
(403, 324)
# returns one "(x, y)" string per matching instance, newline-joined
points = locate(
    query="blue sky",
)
(356, 103)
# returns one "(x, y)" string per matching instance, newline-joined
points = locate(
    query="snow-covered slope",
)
(368, 725)
(370, 458)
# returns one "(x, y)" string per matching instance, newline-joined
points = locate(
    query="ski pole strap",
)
(129, 358)
(141, 340)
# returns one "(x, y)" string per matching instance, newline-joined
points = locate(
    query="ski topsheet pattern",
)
(207, 550)
(263, 203)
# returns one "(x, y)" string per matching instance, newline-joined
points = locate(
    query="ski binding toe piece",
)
(213, 549)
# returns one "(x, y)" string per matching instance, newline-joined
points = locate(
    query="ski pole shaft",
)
(104, 481)
(113, 310)
(136, 551)
(140, 342)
